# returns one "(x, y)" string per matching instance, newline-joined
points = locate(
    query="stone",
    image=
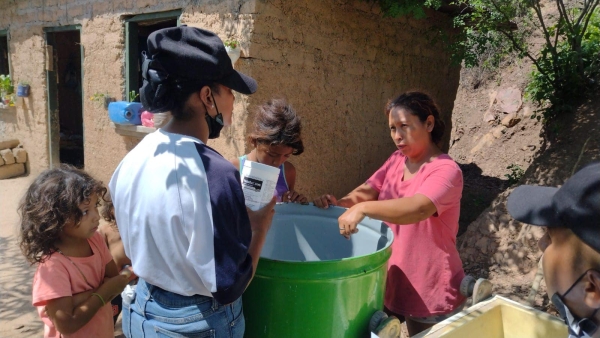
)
(8, 144)
(510, 120)
(528, 147)
(11, 170)
(1, 161)
(482, 244)
(20, 155)
(498, 131)
(489, 117)
(7, 156)
(486, 140)
(509, 100)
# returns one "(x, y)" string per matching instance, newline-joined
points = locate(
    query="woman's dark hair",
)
(276, 123)
(52, 201)
(421, 105)
(172, 95)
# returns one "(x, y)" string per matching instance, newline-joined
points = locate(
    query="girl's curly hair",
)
(276, 123)
(52, 201)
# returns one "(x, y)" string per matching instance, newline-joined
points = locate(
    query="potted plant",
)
(6, 91)
(23, 89)
(233, 50)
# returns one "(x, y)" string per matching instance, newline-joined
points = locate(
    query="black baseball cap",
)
(189, 53)
(575, 205)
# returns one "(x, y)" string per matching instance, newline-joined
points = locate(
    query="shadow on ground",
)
(15, 290)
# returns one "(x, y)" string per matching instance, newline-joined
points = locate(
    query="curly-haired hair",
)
(276, 123)
(421, 105)
(52, 201)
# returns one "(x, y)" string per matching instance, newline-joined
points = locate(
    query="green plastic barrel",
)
(311, 281)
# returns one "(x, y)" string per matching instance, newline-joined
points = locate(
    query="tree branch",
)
(563, 13)
(538, 12)
(589, 17)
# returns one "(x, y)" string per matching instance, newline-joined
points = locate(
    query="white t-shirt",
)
(180, 209)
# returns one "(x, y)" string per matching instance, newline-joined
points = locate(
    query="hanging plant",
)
(233, 50)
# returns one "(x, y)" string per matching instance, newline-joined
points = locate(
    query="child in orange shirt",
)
(76, 277)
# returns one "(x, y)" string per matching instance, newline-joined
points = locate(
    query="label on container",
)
(257, 192)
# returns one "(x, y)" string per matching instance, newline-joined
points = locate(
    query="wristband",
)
(99, 297)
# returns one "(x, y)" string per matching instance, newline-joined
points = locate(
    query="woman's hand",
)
(293, 197)
(325, 201)
(260, 220)
(349, 220)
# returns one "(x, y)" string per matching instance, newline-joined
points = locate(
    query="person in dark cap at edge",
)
(179, 204)
(571, 245)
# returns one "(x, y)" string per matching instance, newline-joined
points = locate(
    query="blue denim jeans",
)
(155, 312)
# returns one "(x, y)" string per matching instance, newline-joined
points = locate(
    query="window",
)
(4, 65)
(137, 29)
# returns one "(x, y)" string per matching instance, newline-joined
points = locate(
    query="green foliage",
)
(233, 44)
(133, 95)
(515, 174)
(6, 86)
(414, 8)
(564, 69)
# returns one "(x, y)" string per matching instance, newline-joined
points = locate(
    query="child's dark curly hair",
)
(52, 201)
(276, 123)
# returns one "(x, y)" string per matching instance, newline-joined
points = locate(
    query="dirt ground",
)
(18, 318)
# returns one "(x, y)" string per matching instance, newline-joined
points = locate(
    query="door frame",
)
(52, 91)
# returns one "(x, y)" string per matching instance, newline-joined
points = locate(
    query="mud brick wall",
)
(336, 61)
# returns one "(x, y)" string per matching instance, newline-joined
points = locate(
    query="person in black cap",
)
(571, 245)
(179, 204)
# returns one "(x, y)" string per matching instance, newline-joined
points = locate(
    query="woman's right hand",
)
(325, 201)
(260, 220)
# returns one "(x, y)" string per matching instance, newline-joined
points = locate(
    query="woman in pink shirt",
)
(417, 193)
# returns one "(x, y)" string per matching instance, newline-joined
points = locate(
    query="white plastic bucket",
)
(258, 182)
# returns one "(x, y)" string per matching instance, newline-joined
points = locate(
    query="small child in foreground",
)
(76, 277)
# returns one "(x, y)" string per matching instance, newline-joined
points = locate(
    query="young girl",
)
(76, 277)
(276, 136)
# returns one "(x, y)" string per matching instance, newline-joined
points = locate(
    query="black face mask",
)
(578, 328)
(215, 124)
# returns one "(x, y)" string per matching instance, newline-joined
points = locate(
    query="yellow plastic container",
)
(499, 318)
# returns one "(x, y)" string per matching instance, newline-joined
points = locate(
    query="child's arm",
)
(111, 269)
(68, 317)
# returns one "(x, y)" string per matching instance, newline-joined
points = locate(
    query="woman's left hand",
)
(349, 220)
(294, 197)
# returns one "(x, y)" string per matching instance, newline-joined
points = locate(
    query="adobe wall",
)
(338, 62)
(103, 40)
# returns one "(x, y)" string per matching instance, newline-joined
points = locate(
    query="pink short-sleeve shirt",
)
(57, 277)
(425, 270)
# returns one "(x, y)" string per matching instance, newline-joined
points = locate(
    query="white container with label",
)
(258, 183)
